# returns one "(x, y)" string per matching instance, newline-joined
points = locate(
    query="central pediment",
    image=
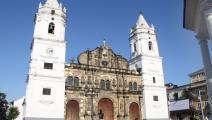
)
(103, 56)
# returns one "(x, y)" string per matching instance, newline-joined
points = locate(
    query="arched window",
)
(154, 80)
(120, 83)
(135, 86)
(114, 82)
(70, 81)
(135, 47)
(125, 83)
(51, 28)
(150, 45)
(130, 86)
(137, 68)
(76, 82)
(102, 84)
(107, 84)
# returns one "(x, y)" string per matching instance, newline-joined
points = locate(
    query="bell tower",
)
(145, 59)
(45, 90)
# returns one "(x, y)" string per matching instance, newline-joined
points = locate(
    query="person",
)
(101, 115)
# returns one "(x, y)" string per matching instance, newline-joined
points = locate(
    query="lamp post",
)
(200, 99)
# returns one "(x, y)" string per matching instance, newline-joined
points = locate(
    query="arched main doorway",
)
(106, 105)
(134, 111)
(72, 110)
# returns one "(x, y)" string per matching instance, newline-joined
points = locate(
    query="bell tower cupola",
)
(143, 38)
(50, 21)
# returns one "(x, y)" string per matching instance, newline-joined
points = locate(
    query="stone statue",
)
(101, 115)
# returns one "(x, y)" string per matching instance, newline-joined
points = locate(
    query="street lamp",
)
(200, 99)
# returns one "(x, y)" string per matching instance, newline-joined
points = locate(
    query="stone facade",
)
(197, 76)
(101, 74)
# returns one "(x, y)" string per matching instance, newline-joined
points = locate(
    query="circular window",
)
(104, 63)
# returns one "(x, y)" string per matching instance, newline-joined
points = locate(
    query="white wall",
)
(19, 104)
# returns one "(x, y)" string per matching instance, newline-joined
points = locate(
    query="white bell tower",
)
(45, 91)
(145, 59)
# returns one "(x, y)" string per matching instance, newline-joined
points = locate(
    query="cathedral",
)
(101, 85)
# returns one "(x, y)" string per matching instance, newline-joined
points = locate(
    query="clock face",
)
(50, 51)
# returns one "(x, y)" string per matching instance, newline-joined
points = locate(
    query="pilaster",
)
(207, 67)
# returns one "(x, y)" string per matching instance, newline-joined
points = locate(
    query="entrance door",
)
(72, 110)
(134, 111)
(106, 105)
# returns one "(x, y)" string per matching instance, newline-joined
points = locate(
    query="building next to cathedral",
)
(101, 85)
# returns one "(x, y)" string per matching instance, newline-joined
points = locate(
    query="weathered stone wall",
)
(89, 92)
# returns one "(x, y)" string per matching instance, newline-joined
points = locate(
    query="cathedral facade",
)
(101, 84)
(101, 81)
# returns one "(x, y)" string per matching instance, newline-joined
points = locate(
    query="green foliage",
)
(2, 96)
(175, 95)
(12, 113)
(3, 106)
(186, 94)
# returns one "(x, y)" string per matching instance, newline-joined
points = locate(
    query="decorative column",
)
(208, 18)
(208, 68)
(206, 11)
(90, 93)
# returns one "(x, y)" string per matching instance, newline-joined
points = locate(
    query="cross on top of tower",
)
(104, 42)
(104, 45)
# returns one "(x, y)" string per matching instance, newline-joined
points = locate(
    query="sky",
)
(89, 23)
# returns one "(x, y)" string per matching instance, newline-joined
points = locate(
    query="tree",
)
(12, 113)
(175, 95)
(6, 114)
(186, 94)
(3, 106)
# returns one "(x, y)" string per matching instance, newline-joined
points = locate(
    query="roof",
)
(189, 14)
(196, 72)
(52, 3)
(141, 21)
(194, 20)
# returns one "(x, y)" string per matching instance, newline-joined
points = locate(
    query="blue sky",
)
(89, 23)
